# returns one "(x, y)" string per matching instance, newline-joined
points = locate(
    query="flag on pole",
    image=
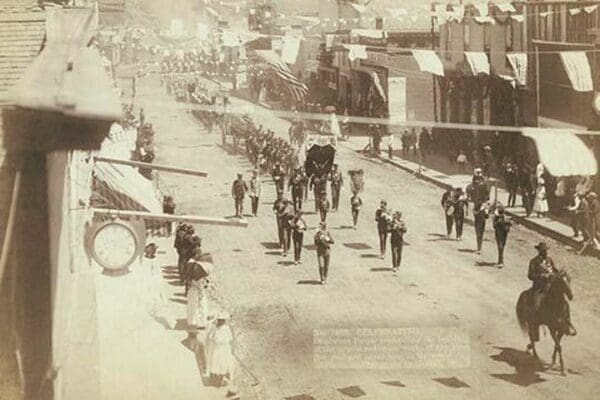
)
(297, 88)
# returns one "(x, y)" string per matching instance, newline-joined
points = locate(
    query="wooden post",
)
(158, 167)
(537, 84)
(192, 219)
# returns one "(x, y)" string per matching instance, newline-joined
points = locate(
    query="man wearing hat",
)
(323, 242)
(382, 219)
(254, 191)
(238, 192)
(335, 177)
(296, 185)
(541, 268)
(398, 229)
(279, 208)
(324, 207)
(501, 227)
(480, 215)
(461, 208)
(448, 207)
(278, 176)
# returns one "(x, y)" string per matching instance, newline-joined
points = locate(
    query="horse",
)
(553, 313)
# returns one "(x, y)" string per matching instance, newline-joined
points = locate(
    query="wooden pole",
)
(192, 219)
(158, 167)
(537, 83)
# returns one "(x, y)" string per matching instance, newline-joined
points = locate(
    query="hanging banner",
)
(397, 99)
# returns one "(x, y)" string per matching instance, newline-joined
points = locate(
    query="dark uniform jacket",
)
(381, 216)
(538, 266)
(323, 241)
(296, 183)
(336, 179)
(501, 225)
(239, 189)
(398, 231)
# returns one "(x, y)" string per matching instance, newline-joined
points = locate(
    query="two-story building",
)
(503, 66)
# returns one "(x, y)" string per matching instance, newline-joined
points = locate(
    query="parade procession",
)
(328, 199)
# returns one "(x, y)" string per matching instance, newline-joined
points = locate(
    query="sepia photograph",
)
(299, 200)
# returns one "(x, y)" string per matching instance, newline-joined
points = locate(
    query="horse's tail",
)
(522, 311)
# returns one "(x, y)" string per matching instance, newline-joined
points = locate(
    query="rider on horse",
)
(541, 272)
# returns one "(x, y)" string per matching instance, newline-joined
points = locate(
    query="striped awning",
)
(118, 186)
(297, 88)
(563, 154)
(123, 188)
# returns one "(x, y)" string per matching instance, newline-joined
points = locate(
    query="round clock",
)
(114, 245)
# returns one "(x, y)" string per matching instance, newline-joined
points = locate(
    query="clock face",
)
(115, 246)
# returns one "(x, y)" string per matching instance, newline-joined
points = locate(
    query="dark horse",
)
(553, 313)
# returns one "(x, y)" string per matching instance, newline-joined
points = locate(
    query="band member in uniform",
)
(448, 207)
(298, 228)
(254, 192)
(279, 210)
(398, 229)
(323, 242)
(286, 221)
(168, 208)
(501, 227)
(296, 185)
(238, 192)
(324, 206)
(336, 186)
(278, 176)
(355, 205)
(318, 185)
(480, 215)
(382, 219)
(461, 208)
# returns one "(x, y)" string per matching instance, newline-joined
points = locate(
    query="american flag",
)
(297, 88)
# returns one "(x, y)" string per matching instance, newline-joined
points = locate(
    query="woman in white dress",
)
(540, 205)
(197, 297)
(219, 353)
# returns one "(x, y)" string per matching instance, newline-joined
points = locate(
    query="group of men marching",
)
(455, 203)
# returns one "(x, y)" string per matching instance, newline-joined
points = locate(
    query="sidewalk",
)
(554, 229)
(544, 226)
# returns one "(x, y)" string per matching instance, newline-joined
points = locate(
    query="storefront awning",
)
(478, 62)
(563, 154)
(577, 66)
(518, 62)
(123, 188)
(429, 61)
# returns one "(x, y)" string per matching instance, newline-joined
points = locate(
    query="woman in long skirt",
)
(219, 353)
(540, 205)
(197, 296)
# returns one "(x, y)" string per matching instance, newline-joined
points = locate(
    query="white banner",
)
(397, 98)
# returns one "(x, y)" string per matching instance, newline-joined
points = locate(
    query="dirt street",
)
(442, 283)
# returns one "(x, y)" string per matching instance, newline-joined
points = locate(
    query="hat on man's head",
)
(541, 246)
